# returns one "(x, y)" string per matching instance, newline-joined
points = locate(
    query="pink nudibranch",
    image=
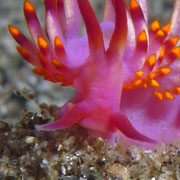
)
(126, 75)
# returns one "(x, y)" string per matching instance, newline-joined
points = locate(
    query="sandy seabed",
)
(28, 154)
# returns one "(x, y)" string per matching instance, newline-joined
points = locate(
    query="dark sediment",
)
(71, 154)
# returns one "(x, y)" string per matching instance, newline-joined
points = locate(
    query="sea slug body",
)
(126, 75)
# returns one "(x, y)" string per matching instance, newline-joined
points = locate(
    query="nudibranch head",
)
(126, 75)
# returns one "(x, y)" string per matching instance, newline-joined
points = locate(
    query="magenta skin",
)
(126, 75)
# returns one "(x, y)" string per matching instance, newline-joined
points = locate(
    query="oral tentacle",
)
(72, 115)
(94, 33)
(118, 39)
(109, 14)
(73, 19)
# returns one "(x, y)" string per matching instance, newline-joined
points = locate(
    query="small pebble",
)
(30, 140)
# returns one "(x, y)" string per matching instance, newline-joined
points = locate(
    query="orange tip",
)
(173, 40)
(154, 83)
(159, 95)
(142, 36)
(138, 82)
(133, 4)
(165, 71)
(42, 43)
(139, 73)
(22, 51)
(59, 77)
(166, 28)
(56, 63)
(177, 90)
(160, 34)
(155, 26)
(28, 6)
(162, 52)
(13, 30)
(58, 42)
(175, 53)
(38, 71)
(151, 60)
(168, 95)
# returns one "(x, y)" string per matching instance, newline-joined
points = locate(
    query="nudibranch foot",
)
(124, 126)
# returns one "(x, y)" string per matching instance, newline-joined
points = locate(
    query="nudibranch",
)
(126, 75)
